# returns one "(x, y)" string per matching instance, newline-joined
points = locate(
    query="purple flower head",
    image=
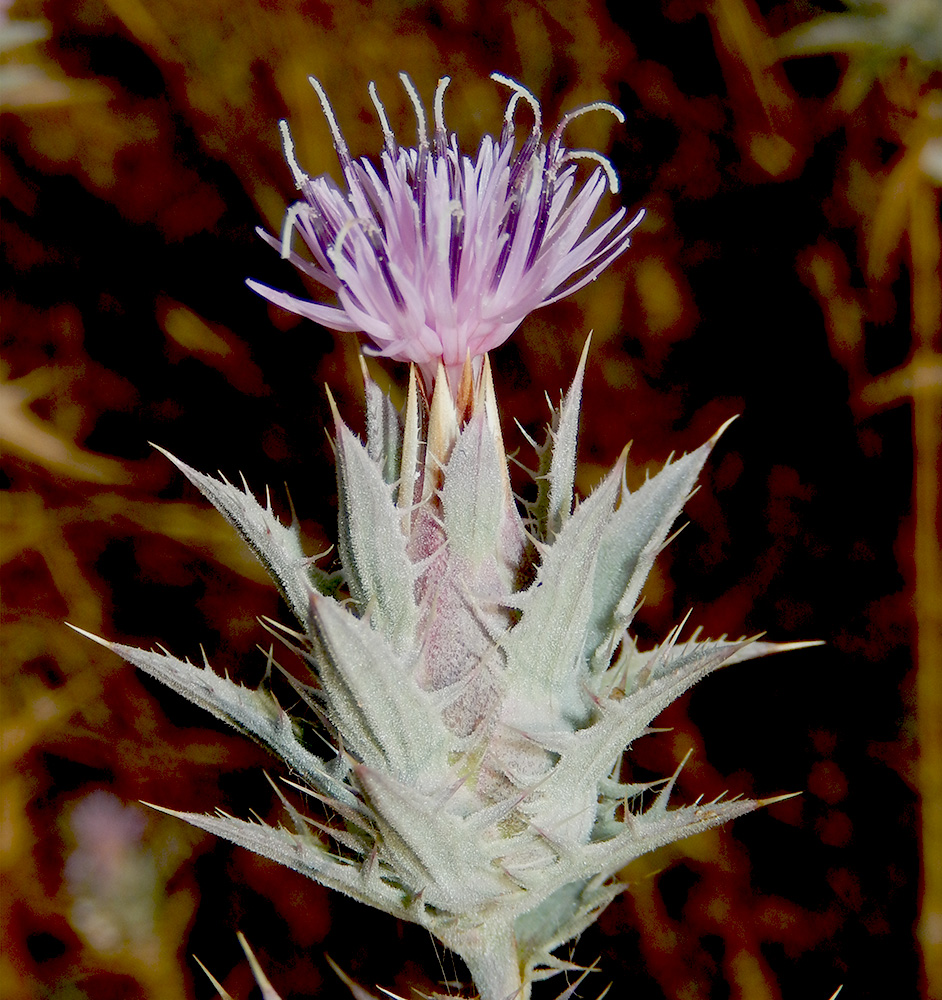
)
(444, 255)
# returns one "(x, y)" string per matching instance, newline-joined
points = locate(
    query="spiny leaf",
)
(563, 915)
(383, 429)
(473, 497)
(645, 833)
(386, 719)
(277, 546)
(252, 711)
(633, 538)
(371, 542)
(557, 469)
(459, 875)
(545, 648)
(301, 853)
(669, 658)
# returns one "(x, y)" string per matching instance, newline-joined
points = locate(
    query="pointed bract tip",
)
(762, 803)
(408, 469)
(663, 796)
(367, 379)
(485, 399)
(169, 455)
(389, 993)
(464, 397)
(622, 462)
(412, 393)
(161, 809)
(570, 991)
(442, 427)
(219, 988)
(719, 433)
(90, 635)
(333, 406)
(267, 990)
(772, 648)
(354, 987)
(585, 352)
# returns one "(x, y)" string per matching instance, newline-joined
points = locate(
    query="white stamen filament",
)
(335, 251)
(287, 228)
(300, 177)
(603, 162)
(585, 108)
(388, 136)
(421, 122)
(520, 91)
(440, 105)
(339, 143)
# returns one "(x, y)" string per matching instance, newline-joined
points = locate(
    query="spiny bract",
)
(479, 681)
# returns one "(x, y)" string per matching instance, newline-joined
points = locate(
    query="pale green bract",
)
(478, 679)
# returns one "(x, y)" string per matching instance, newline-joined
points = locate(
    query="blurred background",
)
(789, 156)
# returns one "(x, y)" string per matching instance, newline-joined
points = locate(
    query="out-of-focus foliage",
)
(877, 35)
(894, 54)
(776, 275)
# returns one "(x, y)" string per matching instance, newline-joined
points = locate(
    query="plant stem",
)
(496, 969)
(926, 366)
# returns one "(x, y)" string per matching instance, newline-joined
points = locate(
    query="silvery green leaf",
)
(253, 711)
(677, 659)
(687, 665)
(545, 649)
(634, 536)
(277, 546)
(556, 474)
(444, 844)
(614, 798)
(567, 807)
(645, 833)
(473, 494)
(372, 544)
(654, 828)
(304, 853)
(385, 718)
(563, 915)
(383, 430)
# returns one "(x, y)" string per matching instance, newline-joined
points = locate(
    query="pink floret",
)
(444, 255)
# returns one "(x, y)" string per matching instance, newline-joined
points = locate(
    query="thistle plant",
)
(471, 667)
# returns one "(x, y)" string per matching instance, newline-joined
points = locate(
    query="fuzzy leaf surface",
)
(304, 853)
(252, 711)
(372, 545)
(473, 495)
(383, 432)
(556, 474)
(545, 648)
(633, 538)
(386, 719)
(276, 546)
(458, 874)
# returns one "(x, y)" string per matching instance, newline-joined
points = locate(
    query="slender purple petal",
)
(441, 254)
